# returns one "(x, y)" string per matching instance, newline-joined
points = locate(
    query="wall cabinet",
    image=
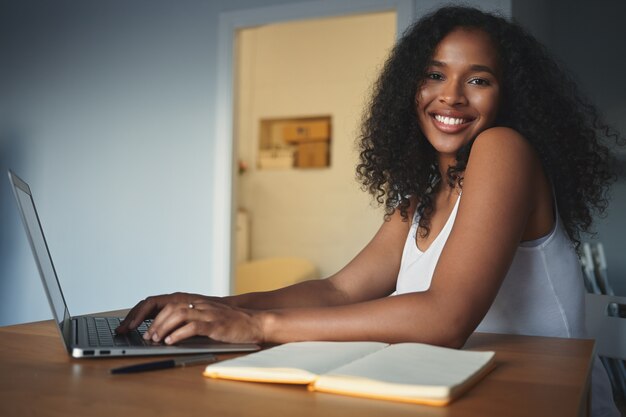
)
(302, 142)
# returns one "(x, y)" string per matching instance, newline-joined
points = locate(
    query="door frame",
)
(225, 147)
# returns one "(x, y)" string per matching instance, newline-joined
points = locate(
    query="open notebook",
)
(408, 372)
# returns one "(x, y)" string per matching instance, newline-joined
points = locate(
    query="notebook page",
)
(306, 358)
(417, 364)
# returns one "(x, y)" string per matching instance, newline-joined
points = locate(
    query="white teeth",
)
(449, 120)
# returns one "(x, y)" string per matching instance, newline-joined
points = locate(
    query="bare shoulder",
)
(503, 143)
(503, 153)
(504, 166)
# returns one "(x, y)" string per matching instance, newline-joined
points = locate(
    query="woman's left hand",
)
(179, 321)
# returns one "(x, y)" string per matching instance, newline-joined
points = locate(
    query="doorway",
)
(231, 24)
(307, 73)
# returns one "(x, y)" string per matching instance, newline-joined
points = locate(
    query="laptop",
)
(91, 336)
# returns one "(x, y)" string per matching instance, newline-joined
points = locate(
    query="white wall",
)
(107, 110)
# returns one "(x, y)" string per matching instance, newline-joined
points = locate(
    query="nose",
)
(453, 93)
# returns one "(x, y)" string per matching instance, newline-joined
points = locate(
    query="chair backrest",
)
(599, 261)
(589, 271)
(605, 317)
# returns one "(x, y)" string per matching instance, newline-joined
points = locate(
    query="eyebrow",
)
(475, 67)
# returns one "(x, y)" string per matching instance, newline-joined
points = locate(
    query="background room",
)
(301, 215)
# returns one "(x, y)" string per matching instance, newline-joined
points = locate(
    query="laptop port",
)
(105, 352)
(88, 352)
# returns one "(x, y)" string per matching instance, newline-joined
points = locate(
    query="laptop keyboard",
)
(101, 332)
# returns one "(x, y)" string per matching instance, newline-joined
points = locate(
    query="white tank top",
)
(542, 293)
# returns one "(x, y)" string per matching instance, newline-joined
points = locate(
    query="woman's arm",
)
(371, 274)
(500, 196)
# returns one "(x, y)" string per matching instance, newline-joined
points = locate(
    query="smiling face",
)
(460, 96)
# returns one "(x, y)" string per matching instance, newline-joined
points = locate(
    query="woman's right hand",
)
(151, 306)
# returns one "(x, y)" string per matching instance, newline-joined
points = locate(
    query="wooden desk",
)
(535, 376)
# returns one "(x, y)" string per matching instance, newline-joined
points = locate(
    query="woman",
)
(489, 164)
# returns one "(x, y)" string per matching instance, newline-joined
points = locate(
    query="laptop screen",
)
(40, 251)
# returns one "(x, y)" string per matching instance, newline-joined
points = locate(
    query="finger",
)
(129, 322)
(171, 317)
(151, 306)
(143, 310)
(194, 328)
(136, 315)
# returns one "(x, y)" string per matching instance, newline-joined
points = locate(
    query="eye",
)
(479, 81)
(434, 76)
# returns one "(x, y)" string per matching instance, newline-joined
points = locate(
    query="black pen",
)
(169, 363)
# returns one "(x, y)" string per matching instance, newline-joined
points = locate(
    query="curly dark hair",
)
(539, 100)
